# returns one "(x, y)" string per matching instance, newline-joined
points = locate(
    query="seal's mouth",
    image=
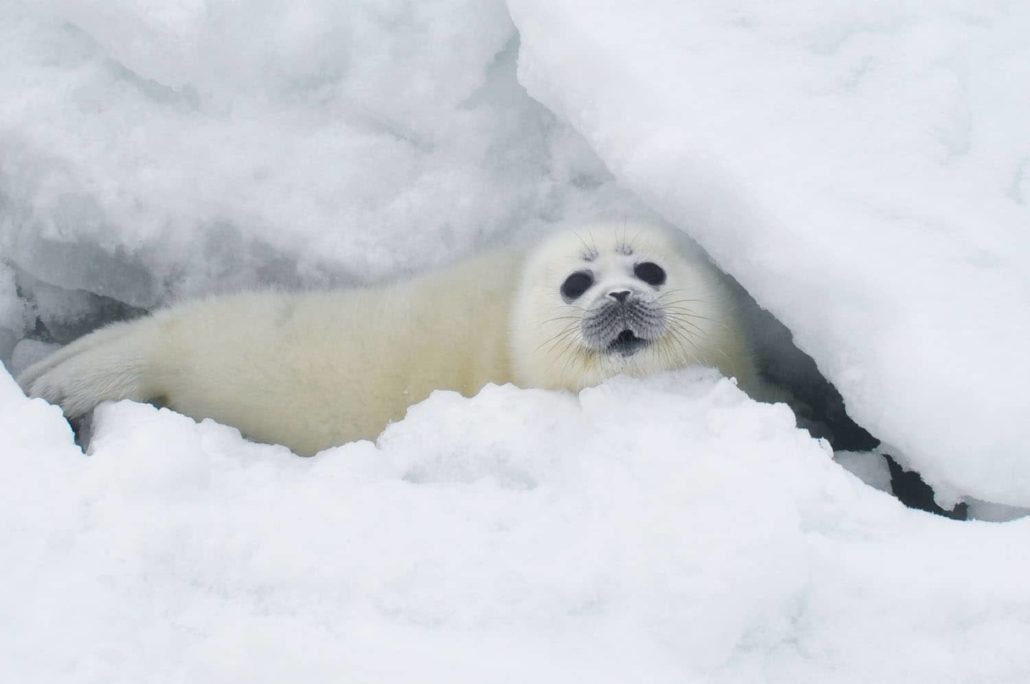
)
(626, 344)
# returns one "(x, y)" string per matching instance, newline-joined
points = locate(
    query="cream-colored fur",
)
(312, 370)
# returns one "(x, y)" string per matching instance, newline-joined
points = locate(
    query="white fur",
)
(313, 370)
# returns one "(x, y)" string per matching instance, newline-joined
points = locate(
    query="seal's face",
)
(620, 299)
(609, 299)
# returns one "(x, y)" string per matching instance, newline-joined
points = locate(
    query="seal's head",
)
(608, 298)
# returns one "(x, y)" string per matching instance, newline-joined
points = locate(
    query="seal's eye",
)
(650, 272)
(576, 284)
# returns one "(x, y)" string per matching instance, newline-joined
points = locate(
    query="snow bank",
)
(644, 531)
(152, 150)
(862, 168)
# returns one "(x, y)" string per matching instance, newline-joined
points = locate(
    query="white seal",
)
(313, 370)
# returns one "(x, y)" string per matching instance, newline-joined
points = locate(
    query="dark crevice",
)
(912, 491)
(820, 408)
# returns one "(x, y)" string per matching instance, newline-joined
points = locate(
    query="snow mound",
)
(655, 530)
(863, 169)
(153, 151)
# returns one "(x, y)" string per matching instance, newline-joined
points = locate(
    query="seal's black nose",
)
(619, 295)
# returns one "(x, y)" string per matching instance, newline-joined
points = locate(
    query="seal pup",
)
(313, 370)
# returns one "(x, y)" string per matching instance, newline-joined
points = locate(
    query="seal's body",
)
(312, 370)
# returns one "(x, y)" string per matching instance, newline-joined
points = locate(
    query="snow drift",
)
(655, 531)
(152, 152)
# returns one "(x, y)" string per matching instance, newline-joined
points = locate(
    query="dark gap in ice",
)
(914, 493)
(819, 406)
(82, 312)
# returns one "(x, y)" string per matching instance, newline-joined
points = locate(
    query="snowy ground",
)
(517, 536)
(862, 168)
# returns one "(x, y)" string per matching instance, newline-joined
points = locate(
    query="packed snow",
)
(151, 153)
(662, 531)
(861, 168)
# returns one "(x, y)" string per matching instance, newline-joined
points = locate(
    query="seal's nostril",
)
(619, 295)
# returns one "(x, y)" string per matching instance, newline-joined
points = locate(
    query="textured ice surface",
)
(154, 150)
(667, 530)
(870, 467)
(862, 168)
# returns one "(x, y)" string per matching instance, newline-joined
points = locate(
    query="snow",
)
(154, 150)
(860, 167)
(660, 530)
